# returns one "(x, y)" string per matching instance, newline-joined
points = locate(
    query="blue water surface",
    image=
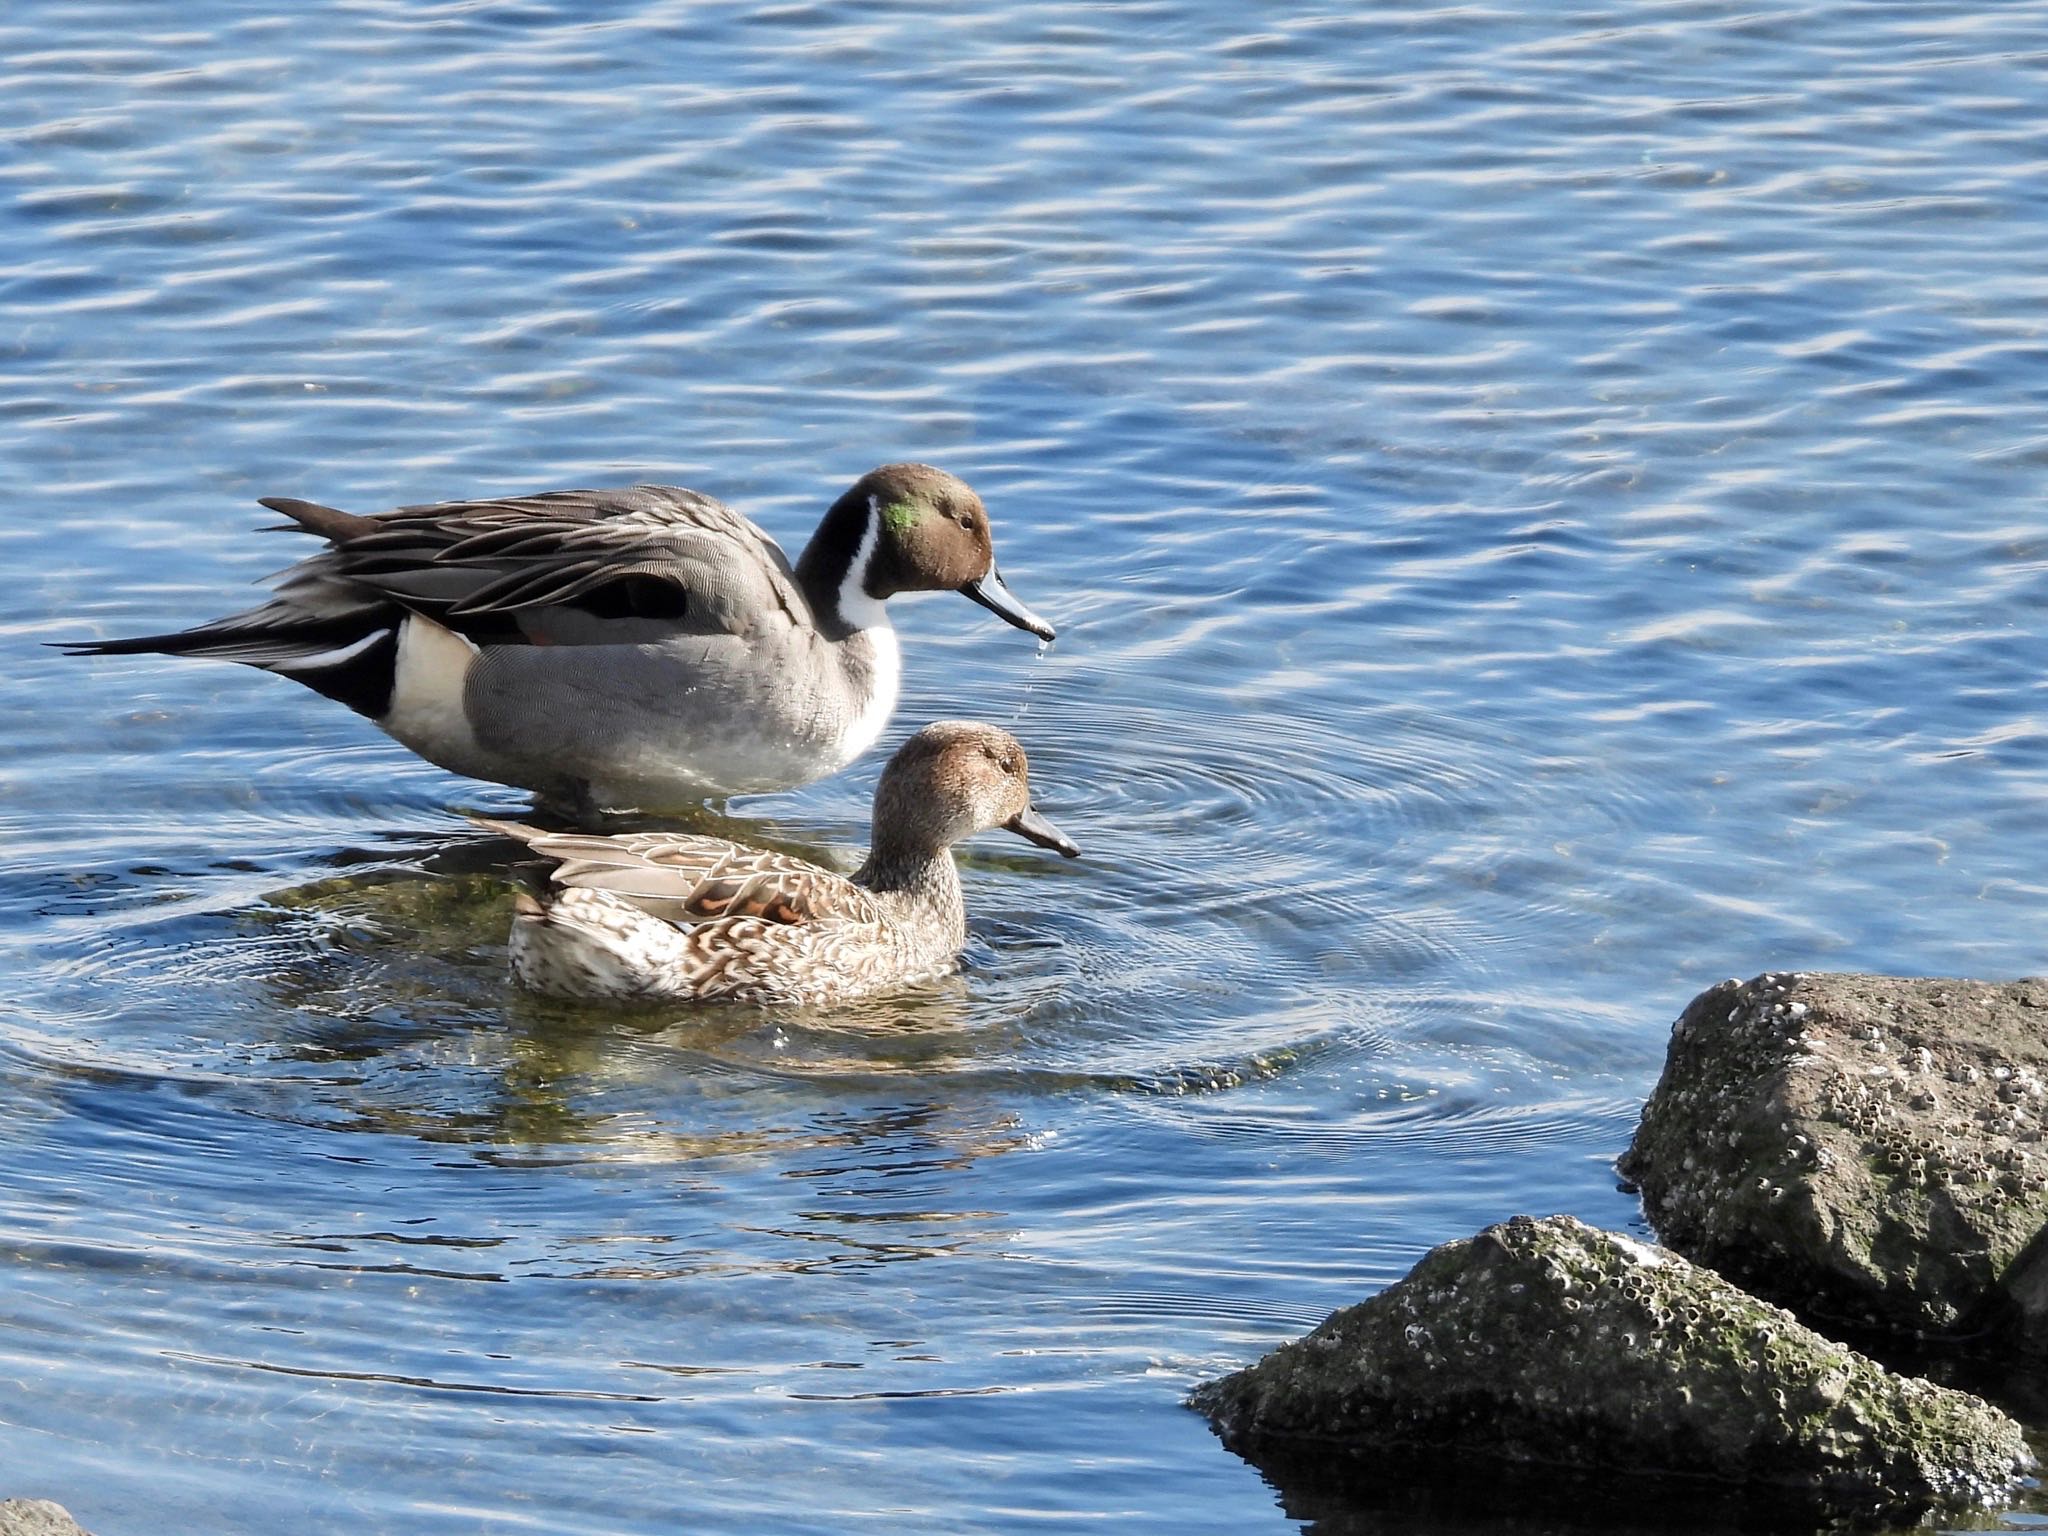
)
(1543, 509)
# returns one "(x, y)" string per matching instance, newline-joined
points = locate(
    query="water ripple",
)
(1541, 509)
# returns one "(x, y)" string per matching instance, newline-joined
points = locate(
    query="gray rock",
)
(1862, 1147)
(36, 1517)
(1551, 1342)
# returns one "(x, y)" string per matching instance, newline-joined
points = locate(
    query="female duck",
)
(624, 649)
(656, 917)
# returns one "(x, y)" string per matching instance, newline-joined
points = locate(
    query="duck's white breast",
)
(866, 728)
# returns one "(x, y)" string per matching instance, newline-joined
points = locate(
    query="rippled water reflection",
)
(1542, 512)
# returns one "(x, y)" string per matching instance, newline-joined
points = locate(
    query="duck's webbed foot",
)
(572, 809)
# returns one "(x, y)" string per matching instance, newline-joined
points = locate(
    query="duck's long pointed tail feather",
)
(349, 656)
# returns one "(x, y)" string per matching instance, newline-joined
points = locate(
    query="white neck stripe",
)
(856, 608)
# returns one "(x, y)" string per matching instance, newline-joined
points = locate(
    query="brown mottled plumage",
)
(655, 916)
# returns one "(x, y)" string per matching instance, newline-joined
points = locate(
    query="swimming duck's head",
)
(955, 778)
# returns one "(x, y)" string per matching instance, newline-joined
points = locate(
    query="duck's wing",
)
(682, 877)
(605, 567)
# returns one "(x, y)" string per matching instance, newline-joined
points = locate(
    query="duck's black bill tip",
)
(999, 600)
(1034, 828)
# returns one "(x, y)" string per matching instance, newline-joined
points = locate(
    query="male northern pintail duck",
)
(621, 649)
(659, 917)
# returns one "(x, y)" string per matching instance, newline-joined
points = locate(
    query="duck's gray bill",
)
(998, 599)
(1031, 826)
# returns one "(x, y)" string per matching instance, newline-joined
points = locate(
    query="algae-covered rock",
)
(1551, 1342)
(1866, 1147)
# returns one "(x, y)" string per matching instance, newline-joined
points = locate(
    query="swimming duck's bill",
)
(998, 599)
(1034, 828)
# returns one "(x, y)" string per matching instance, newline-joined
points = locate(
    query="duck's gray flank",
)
(635, 648)
(675, 916)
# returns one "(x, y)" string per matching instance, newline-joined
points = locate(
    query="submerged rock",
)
(1863, 1147)
(1550, 1342)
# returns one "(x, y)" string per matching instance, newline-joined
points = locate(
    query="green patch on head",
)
(902, 516)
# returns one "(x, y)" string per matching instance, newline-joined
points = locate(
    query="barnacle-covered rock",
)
(1867, 1148)
(1553, 1343)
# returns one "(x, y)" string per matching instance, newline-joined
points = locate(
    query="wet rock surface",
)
(1863, 1148)
(1553, 1343)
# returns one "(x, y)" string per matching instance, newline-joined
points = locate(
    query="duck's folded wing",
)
(568, 567)
(685, 878)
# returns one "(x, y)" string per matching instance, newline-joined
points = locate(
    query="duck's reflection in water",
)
(397, 1008)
